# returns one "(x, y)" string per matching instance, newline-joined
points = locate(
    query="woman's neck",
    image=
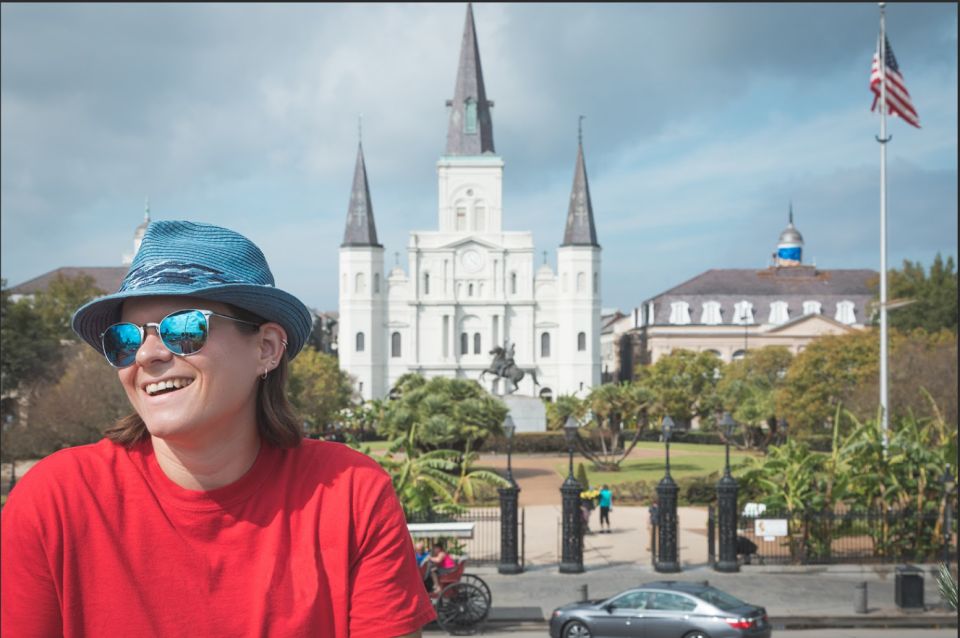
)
(209, 467)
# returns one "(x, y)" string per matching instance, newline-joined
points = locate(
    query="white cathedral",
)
(471, 285)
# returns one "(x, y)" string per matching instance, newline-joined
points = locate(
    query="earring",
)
(264, 375)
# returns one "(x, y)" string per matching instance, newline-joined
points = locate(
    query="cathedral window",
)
(743, 313)
(464, 343)
(513, 283)
(461, 217)
(845, 312)
(680, 313)
(581, 281)
(470, 119)
(811, 308)
(479, 217)
(545, 344)
(376, 283)
(582, 342)
(360, 283)
(470, 290)
(395, 344)
(476, 343)
(426, 283)
(779, 312)
(360, 343)
(711, 313)
(596, 283)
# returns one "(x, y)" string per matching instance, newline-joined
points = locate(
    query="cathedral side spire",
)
(470, 131)
(580, 230)
(361, 229)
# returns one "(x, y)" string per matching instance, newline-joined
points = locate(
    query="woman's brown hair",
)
(277, 423)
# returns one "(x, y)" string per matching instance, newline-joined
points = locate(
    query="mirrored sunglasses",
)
(183, 332)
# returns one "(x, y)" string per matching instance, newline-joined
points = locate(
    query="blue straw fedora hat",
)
(189, 259)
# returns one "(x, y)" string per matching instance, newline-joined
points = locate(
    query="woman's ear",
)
(273, 342)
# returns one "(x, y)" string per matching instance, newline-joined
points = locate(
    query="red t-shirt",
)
(311, 541)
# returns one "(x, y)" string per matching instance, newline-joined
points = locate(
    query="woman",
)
(205, 512)
(440, 562)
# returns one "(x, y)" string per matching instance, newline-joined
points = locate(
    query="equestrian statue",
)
(503, 366)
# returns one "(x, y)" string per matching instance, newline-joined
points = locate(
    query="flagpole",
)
(883, 139)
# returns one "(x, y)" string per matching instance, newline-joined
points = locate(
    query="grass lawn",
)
(686, 459)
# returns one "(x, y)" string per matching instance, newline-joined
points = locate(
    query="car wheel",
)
(697, 634)
(576, 629)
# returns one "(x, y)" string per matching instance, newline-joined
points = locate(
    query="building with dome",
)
(471, 286)
(729, 311)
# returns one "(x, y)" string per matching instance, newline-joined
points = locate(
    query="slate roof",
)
(469, 87)
(761, 287)
(106, 278)
(360, 229)
(580, 230)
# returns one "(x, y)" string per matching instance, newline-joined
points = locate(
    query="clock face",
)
(472, 260)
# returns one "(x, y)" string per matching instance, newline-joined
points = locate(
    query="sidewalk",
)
(795, 596)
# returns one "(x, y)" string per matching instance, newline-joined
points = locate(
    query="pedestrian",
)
(606, 504)
(205, 512)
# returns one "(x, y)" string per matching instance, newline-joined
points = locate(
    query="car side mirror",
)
(609, 607)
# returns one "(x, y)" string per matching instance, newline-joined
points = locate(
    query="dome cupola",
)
(790, 244)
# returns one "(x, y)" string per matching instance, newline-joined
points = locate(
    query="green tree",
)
(934, 296)
(565, 406)
(827, 371)
(318, 389)
(683, 385)
(612, 407)
(748, 387)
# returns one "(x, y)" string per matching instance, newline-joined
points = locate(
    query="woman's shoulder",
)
(329, 457)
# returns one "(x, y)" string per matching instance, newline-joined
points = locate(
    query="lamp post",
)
(782, 423)
(727, 506)
(947, 480)
(667, 497)
(508, 511)
(571, 560)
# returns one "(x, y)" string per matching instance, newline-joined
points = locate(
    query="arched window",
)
(846, 312)
(739, 354)
(545, 344)
(376, 283)
(513, 283)
(470, 290)
(479, 216)
(811, 308)
(426, 283)
(743, 313)
(470, 116)
(395, 344)
(711, 313)
(680, 313)
(779, 312)
(581, 281)
(359, 342)
(464, 343)
(596, 283)
(476, 343)
(581, 342)
(359, 283)
(461, 217)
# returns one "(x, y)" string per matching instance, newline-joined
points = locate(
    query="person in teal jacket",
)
(606, 504)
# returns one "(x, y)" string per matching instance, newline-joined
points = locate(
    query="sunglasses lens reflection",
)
(184, 332)
(120, 344)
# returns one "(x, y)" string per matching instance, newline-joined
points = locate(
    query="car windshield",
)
(720, 599)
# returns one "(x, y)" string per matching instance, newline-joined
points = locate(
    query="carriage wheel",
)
(461, 607)
(473, 579)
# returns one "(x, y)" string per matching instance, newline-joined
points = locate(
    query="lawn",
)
(686, 459)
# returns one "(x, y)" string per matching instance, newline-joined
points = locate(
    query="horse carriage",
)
(463, 600)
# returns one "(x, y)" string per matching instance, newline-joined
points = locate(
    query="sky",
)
(703, 124)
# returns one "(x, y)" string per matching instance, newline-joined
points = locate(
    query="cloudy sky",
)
(703, 122)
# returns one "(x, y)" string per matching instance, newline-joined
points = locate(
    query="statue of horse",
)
(504, 367)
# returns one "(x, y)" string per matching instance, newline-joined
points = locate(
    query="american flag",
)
(898, 98)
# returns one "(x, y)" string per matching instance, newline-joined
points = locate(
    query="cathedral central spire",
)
(470, 131)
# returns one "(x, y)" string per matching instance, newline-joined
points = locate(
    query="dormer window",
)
(711, 313)
(680, 313)
(470, 119)
(846, 312)
(811, 308)
(779, 312)
(461, 217)
(743, 313)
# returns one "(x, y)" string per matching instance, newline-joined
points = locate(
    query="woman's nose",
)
(152, 349)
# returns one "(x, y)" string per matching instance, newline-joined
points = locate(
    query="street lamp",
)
(571, 560)
(509, 563)
(667, 497)
(727, 506)
(948, 484)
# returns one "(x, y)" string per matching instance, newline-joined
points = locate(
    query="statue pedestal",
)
(528, 413)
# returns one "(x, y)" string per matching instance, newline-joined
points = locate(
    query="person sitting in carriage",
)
(439, 562)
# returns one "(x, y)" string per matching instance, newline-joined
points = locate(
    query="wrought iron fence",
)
(853, 536)
(484, 547)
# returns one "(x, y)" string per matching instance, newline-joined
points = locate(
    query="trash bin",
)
(908, 587)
